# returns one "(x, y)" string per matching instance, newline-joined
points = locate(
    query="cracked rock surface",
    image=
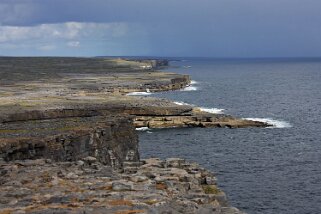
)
(87, 186)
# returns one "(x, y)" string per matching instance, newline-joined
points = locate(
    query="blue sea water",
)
(262, 170)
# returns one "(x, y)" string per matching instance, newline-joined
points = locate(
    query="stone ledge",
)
(157, 186)
(112, 140)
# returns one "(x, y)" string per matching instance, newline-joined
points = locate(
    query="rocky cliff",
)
(68, 108)
(111, 140)
(68, 142)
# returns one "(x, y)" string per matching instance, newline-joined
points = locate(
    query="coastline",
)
(87, 186)
(75, 109)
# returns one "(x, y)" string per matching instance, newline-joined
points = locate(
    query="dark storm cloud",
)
(233, 28)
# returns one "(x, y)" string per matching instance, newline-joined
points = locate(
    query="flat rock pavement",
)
(86, 186)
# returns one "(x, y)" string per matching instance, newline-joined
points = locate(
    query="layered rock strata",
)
(60, 108)
(54, 110)
(111, 140)
(193, 119)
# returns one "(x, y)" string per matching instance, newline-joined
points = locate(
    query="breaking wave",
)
(193, 82)
(143, 129)
(212, 110)
(274, 123)
(182, 104)
(204, 109)
(139, 94)
(189, 88)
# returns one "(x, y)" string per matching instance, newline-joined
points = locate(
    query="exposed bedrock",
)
(68, 108)
(110, 140)
(197, 120)
(95, 130)
(154, 63)
(87, 186)
(161, 114)
(68, 142)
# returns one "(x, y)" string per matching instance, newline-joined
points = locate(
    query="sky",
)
(190, 28)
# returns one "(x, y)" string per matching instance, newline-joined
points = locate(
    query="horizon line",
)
(164, 57)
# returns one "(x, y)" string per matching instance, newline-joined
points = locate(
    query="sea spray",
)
(189, 88)
(193, 82)
(274, 123)
(139, 93)
(212, 110)
(182, 103)
(203, 109)
(143, 129)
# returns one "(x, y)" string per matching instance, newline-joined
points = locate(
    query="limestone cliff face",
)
(110, 141)
(66, 109)
(153, 63)
(74, 111)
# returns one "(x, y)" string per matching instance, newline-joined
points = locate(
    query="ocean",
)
(262, 170)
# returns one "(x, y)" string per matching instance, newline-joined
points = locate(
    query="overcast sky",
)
(213, 28)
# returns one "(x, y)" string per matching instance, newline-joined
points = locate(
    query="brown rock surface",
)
(155, 186)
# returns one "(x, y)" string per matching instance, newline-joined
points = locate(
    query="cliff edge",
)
(68, 142)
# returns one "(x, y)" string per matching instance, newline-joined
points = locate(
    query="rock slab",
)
(155, 186)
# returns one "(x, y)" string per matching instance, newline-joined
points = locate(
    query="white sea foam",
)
(189, 88)
(182, 103)
(274, 123)
(139, 93)
(143, 129)
(187, 66)
(193, 82)
(212, 110)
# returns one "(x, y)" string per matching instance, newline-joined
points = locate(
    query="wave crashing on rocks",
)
(212, 110)
(274, 123)
(139, 93)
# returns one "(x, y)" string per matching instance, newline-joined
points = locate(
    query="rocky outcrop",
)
(78, 108)
(68, 142)
(87, 186)
(154, 63)
(195, 120)
(175, 83)
(110, 140)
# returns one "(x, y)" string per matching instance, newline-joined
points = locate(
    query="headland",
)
(68, 142)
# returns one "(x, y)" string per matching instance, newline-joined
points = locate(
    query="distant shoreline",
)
(74, 109)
